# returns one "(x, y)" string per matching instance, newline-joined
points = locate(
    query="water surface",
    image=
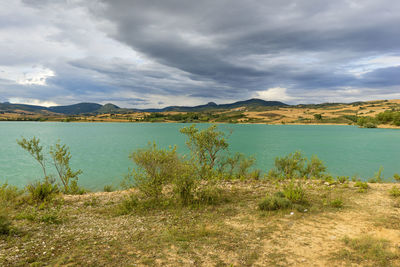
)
(101, 150)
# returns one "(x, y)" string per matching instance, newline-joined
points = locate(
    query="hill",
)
(94, 108)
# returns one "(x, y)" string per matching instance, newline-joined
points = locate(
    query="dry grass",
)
(85, 230)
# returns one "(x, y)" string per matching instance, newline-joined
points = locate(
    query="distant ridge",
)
(94, 108)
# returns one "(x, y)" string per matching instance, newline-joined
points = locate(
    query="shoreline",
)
(381, 126)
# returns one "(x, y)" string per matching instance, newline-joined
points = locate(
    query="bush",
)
(378, 177)
(274, 203)
(295, 165)
(9, 194)
(362, 186)
(69, 178)
(108, 188)
(42, 191)
(205, 146)
(61, 157)
(290, 166)
(210, 195)
(396, 177)
(336, 203)
(394, 191)
(185, 183)
(315, 168)
(5, 223)
(156, 168)
(342, 179)
(294, 193)
(238, 166)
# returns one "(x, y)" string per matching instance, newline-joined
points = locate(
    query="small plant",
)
(342, 179)
(5, 223)
(9, 194)
(336, 203)
(210, 195)
(34, 148)
(378, 177)
(294, 193)
(362, 186)
(42, 191)
(396, 177)
(290, 166)
(274, 203)
(127, 205)
(315, 168)
(394, 191)
(108, 188)
(61, 157)
(367, 249)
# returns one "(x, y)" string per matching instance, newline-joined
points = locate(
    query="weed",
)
(42, 191)
(342, 179)
(367, 248)
(394, 191)
(336, 203)
(108, 188)
(362, 186)
(5, 223)
(294, 193)
(274, 203)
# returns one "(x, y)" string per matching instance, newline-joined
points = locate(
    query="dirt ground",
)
(87, 230)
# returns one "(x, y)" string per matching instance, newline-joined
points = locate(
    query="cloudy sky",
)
(155, 53)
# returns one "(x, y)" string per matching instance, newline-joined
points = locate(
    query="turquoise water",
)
(101, 150)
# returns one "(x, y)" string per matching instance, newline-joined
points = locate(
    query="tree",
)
(318, 117)
(205, 146)
(61, 157)
(35, 150)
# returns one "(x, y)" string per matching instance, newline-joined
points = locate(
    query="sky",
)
(157, 53)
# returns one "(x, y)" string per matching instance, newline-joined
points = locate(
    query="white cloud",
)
(274, 94)
(31, 101)
(26, 75)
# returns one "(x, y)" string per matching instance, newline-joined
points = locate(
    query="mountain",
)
(94, 108)
(251, 103)
(80, 108)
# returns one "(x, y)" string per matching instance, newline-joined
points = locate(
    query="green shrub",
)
(290, 166)
(274, 203)
(205, 146)
(185, 183)
(61, 156)
(368, 249)
(378, 177)
(294, 193)
(396, 177)
(336, 203)
(5, 223)
(342, 179)
(394, 191)
(210, 195)
(42, 191)
(315, 168)
(156, 168)
(108, 188)
(9, 194)
(238, 166)
(127, 205)
(362, 186)
(69, 178)
(295, 165)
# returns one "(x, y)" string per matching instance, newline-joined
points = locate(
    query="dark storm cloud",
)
(152, 53)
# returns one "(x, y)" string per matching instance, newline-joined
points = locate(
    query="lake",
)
(101, 150)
